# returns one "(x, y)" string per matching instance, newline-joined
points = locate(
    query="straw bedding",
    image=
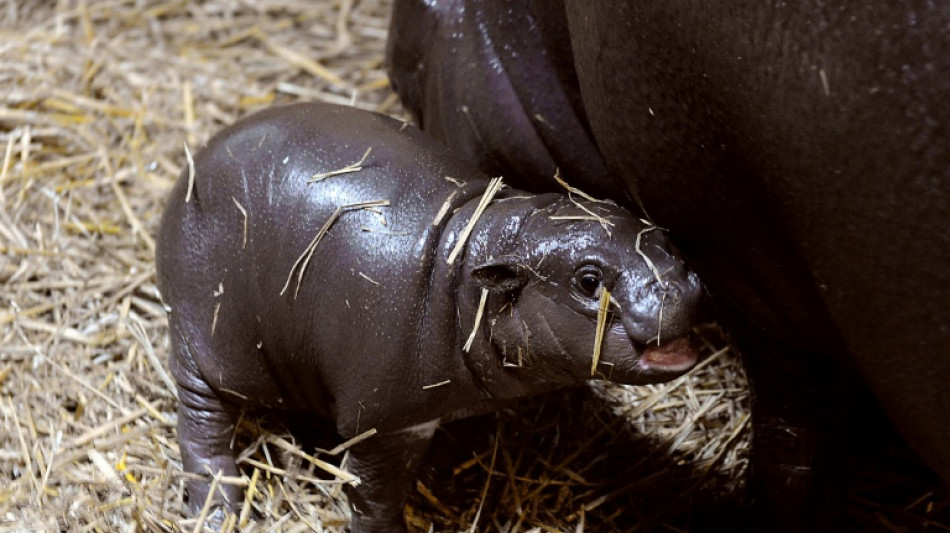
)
(97, 98)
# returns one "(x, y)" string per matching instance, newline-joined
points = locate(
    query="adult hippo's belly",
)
(798, 154)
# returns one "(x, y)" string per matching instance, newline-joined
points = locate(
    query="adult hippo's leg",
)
(494, 80)
(797, 466)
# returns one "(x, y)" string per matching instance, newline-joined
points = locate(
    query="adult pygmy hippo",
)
(301, 277)
(797, 152)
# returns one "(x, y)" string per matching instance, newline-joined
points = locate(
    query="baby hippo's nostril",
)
(684, 286)
(666, 310)
(667, 289)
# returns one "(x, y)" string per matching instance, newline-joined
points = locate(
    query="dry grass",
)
(97, 99)
(493, 187)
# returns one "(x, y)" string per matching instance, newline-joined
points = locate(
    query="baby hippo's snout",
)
(658, 307)
(664, 309)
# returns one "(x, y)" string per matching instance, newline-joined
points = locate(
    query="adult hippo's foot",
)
(798, 434)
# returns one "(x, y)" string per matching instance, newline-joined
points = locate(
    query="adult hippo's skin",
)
(798, 153)
(346, 295)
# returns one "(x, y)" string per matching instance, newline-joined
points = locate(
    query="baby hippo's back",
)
(287, 252)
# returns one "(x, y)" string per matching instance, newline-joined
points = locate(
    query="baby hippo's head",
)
(585, 289)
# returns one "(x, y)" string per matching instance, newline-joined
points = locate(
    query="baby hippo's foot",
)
(205, 429)
(215, 518)
(386, 465)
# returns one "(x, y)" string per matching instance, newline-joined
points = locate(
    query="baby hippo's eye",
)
(588, 279)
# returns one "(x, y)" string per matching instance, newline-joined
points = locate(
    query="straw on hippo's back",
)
(361, 296)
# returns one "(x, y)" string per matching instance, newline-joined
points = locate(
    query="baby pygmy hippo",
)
(373, 291)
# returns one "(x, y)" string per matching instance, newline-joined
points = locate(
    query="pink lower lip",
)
(675, 355)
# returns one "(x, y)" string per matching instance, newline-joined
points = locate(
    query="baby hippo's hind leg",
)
(205, 431)
(387, 466)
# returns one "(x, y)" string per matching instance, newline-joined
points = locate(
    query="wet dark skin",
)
(798, 153)
(368, 332)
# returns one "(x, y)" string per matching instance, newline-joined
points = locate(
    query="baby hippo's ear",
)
(500, 275)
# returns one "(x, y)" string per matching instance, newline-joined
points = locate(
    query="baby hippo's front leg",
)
(386, 465)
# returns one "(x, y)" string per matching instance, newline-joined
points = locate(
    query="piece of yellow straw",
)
(478, 320)
(601, 326)
(490, 192)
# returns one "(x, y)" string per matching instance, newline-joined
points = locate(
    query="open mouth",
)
(677, 355)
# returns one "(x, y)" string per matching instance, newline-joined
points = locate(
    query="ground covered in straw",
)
(97, 98)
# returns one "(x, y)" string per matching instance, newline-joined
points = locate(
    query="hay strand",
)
(336, 472)
(352, 167)
(491, 472)
(138, 330)
(191, 173)
(646, 258)
(297, 59)
(206, 507)
(602, 310)
(493, 187)
(444, 209)
(575, 190)
(571, 191)
(369, 279)
(249, 494)
(244, 218)
(478, 320)
(437, 385)
(337, 450)
(304, 259)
